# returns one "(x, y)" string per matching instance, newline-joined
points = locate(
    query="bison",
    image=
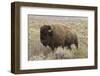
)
(58, 35)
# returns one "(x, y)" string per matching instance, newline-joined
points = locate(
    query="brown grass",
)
(36, 51)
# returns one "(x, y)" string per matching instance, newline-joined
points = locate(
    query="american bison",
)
(58, 35)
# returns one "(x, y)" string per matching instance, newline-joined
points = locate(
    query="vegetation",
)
(36, 51)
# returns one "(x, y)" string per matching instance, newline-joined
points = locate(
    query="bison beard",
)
(57, 35)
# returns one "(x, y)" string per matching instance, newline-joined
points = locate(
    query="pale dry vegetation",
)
(36, 51)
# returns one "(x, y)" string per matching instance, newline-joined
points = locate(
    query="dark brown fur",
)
(57, 35)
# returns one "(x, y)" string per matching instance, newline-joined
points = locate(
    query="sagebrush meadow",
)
(37, 51)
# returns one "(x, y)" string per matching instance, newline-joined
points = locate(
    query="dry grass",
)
(36, 51)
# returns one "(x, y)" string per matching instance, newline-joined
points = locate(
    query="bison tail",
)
(76, 43)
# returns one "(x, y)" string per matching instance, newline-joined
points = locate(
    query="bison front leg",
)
(52, 48)
(69, 47)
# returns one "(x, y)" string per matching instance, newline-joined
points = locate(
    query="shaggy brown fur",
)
(57, 35)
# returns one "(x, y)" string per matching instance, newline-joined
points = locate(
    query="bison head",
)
(46, 34)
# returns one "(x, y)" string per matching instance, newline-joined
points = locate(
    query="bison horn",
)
(49, 30)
